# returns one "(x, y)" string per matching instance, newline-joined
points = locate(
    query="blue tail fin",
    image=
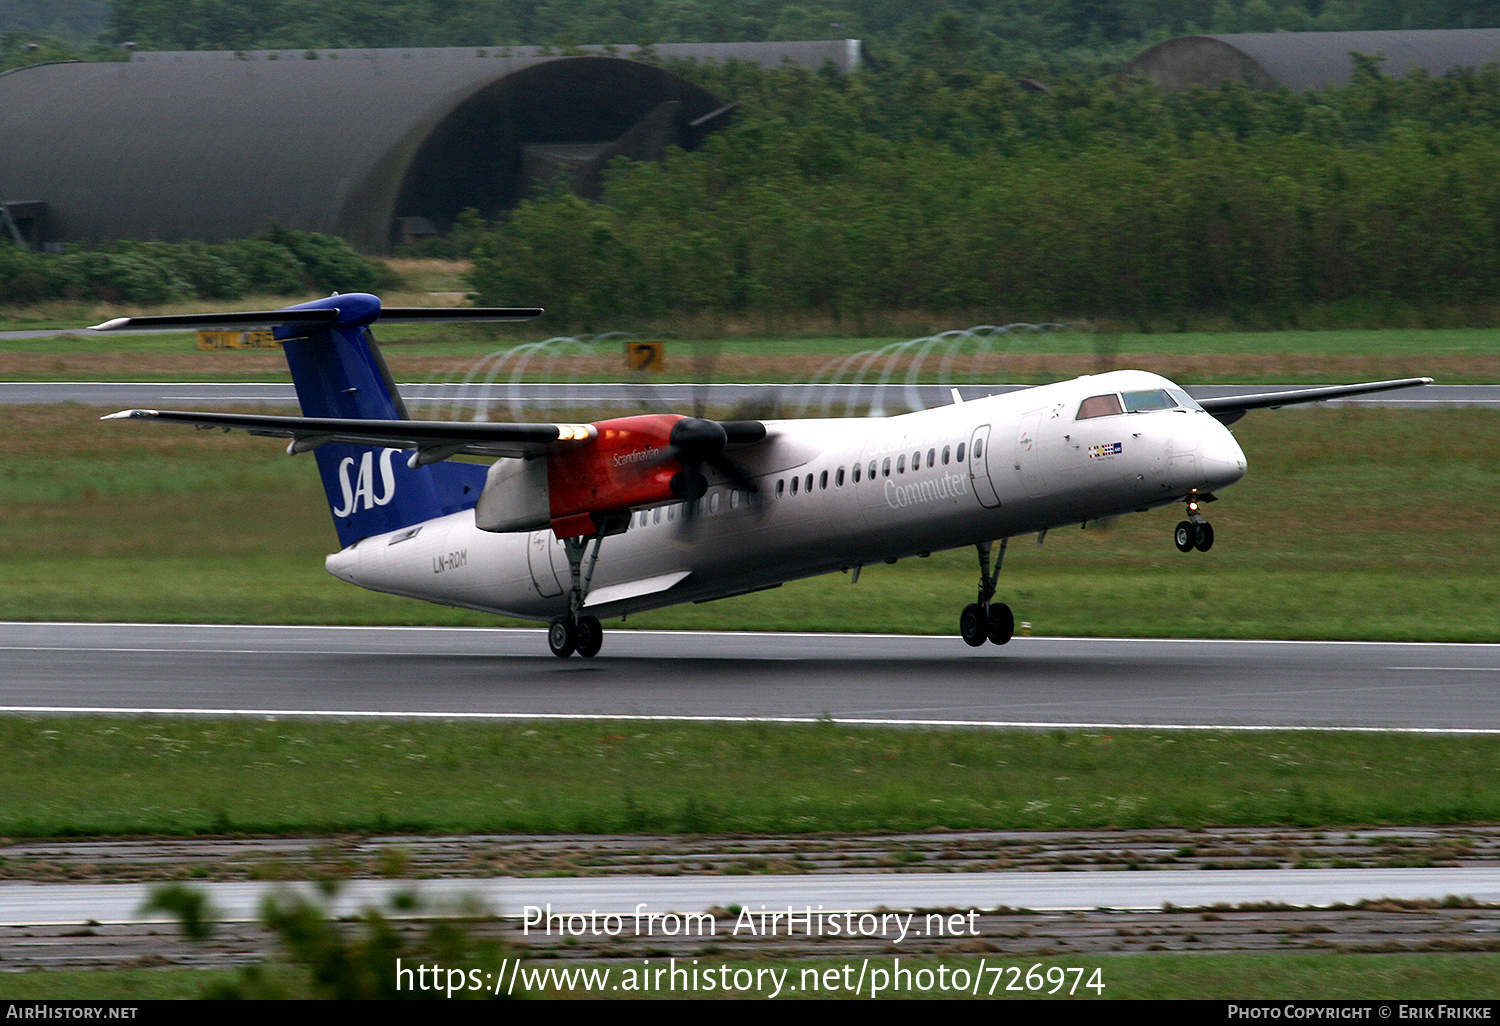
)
(339, 372)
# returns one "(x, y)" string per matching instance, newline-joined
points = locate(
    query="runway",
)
(171, 395)
(870, 679)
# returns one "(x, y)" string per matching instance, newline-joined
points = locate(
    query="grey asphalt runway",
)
(172, 395)
(508, 673)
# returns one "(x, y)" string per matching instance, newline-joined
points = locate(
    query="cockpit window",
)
(1184, 400)
(1099, 406)
(1150, 399)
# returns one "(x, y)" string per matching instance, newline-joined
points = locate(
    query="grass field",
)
(114, 776)
(742, 353)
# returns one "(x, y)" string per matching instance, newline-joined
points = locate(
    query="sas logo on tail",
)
(360, 490)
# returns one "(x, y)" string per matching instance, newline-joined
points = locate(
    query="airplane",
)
(574, 523)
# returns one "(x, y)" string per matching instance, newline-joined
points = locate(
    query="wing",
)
(1231, 408)
(434, 440)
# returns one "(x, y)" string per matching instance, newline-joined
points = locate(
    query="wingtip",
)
(111, 324)
(128, 414)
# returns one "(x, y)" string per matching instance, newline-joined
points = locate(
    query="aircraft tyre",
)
(590, 636)
(974, 625)
(562, 637)
(1185, 536)
(1002, 623)
(1204, 536)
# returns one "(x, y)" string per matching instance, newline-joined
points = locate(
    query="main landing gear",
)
(576, 631)
(983, 620)
(1194, 532)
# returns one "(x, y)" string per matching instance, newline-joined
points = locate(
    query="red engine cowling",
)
(628, 463)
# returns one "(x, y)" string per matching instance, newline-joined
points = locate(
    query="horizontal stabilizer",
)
(249, 319)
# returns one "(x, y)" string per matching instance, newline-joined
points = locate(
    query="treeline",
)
(1020, 36)
(275, 262)
(989, 200)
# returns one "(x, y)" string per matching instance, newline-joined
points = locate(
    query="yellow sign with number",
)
(648, 357)
(211, 340)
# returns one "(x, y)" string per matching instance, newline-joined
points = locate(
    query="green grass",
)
(126, 776)
(1352, 524)
(444, 351)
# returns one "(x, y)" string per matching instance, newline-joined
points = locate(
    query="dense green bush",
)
(277, 262)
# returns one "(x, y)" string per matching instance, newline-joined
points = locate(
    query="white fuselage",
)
(942, 478)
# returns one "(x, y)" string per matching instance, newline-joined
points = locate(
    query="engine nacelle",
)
(628, 464)
(514, 497)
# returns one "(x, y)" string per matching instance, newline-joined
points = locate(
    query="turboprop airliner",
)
(572, 523)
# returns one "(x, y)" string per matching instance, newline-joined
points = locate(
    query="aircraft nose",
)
(1220, 458)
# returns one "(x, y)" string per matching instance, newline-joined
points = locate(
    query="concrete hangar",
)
(1303, 61)
(374, 146)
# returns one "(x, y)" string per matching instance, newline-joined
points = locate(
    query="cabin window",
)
(931, 458)
(734, 499)
(946, 454)
(838, 479)
(808, 488)
(978, 448)
(856, 473)
(885, 468)
(1099, 406)
(780, 487)
(959, 455)
(901, 464)
(713, 503)
(872, 470)
(656, 515)
(795, 482)
(823, 481)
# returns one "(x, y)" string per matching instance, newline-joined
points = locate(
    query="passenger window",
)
(901, 464)
(1099, 406)
(978, 448)
(872, 469)
(931, 458)
(713, 503)
(780, 487)
(885, 468)
(838, 479)
(823, 481)
(945, 455)
(734, 499)
(959, 455)
(656, 515)
(795, 482)
(809, 483)
(856, 473)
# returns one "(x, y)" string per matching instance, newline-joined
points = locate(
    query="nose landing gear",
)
(983, 620)
(1194, 532)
